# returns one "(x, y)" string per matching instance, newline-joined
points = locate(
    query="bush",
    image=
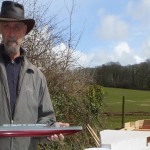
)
(78, 111)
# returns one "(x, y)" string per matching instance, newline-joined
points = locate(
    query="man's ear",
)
(25, 30)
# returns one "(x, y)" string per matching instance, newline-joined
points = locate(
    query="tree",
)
(68, 82)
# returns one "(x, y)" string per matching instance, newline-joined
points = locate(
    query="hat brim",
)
(28, 22)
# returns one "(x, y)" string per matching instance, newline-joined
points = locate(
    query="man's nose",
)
(11, 32)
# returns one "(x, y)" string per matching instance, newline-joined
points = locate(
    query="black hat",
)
(13, 11)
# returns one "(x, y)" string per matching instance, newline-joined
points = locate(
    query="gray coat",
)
(33, 104)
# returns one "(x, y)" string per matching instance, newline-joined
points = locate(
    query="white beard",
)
(11, 48)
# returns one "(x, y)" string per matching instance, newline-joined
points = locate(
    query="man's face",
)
(12, 34)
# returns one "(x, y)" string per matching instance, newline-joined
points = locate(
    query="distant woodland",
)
(113, 74)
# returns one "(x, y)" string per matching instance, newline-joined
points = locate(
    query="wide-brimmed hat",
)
(12, 12)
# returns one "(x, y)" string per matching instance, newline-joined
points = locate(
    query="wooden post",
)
(123, 111)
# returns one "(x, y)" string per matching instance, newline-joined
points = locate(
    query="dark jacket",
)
(33, 104)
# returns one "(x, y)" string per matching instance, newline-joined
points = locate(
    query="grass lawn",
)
(135, 100)
(115, 122)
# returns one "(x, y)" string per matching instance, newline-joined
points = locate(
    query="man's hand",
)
(59, 137)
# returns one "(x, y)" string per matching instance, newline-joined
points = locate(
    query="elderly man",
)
(24, 96)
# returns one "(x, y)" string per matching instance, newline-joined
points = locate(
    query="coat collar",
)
(25, 62)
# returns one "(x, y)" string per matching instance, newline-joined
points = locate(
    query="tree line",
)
(113, 74)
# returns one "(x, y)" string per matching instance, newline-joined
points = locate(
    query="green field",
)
(135, 101)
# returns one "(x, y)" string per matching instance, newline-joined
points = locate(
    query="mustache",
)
(12, 40)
